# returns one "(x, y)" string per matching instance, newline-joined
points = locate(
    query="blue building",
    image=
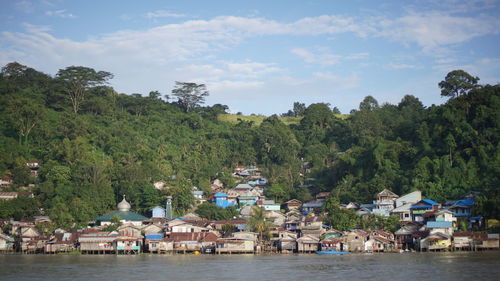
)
(158, 212)
(220, 199)
(421, 207)
(462, 208)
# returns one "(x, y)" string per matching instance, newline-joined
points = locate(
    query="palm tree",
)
(258, 222)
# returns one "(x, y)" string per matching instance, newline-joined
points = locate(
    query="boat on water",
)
(331, 253)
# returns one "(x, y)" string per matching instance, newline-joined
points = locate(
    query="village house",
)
(98, 242)
(221, 199)
(5, 182)
(462, 208)
(421, 207)
(287, 241)
(307, 244)
(384, 203)
(483, 241)
(234, 245)
(157, 243)
(292, 205)
(152, 228)
(403, 205)
(6, 243)
(13, 195)
(312, 207)
(33, 165)
(356, 240)
(332, 243)
(437, 241)
(268, 205)
(240, 224)
(312, 226)
(403, 236)
(62, 242)
(192, 241)
(463, 241)
(322, 196)
(178, 225)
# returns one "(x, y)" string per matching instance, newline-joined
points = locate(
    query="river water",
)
(472, 266)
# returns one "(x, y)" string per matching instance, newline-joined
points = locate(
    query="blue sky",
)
(261, 56)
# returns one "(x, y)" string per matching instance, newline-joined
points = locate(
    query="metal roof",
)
(438, 224)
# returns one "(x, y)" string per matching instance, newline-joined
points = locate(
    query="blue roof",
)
(438, 224)
(198, 192)
(220, 194)
(463, 203)
(155, 236)
(430, 202)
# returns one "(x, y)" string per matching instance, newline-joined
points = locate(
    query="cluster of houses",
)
(295, 227)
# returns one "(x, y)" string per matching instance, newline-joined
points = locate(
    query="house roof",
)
(220, 194)
(193, 236)
(438, 224)
(155, 236)
(6, 237)
(127, 215)
(464, 203)
(388, 193)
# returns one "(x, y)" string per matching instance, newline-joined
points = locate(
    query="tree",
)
(78, 79)
(190, 95)
(258, 222)
(457, 83)
(26, 115)
(299, 109)
(369, 103)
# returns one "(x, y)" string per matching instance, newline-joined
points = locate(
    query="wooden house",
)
(486, 241)
(239, 243)
(157, 243)
(403, 236)
(194, 241)
(334, 244)
(436, 242)
(287, 241)
(62, 242)
(128, 245)
(379, 244)
(463, 241)
(98, 242)
(356, 240)
(293, 204)
(307, 244)
(384, 202)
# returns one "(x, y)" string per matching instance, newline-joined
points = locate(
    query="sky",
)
(261, 56)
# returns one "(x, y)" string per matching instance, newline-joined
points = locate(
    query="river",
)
(473, 266)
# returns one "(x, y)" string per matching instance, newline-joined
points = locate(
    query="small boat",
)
(331, 253)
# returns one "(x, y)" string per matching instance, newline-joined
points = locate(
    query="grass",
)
(257, 119)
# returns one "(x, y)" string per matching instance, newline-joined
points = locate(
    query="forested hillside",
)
(95, 144)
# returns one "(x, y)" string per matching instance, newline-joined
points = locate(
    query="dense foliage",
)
(101, 144)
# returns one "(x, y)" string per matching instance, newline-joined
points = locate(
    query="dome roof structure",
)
(124, 206)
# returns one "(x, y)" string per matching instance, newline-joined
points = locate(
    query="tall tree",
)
(78, 79)
(190, 95)
(457, 83)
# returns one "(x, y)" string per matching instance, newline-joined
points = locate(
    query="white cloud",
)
(434, 30)
(323, 56)
(398, 66)
(60, 13)
(162, 14)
